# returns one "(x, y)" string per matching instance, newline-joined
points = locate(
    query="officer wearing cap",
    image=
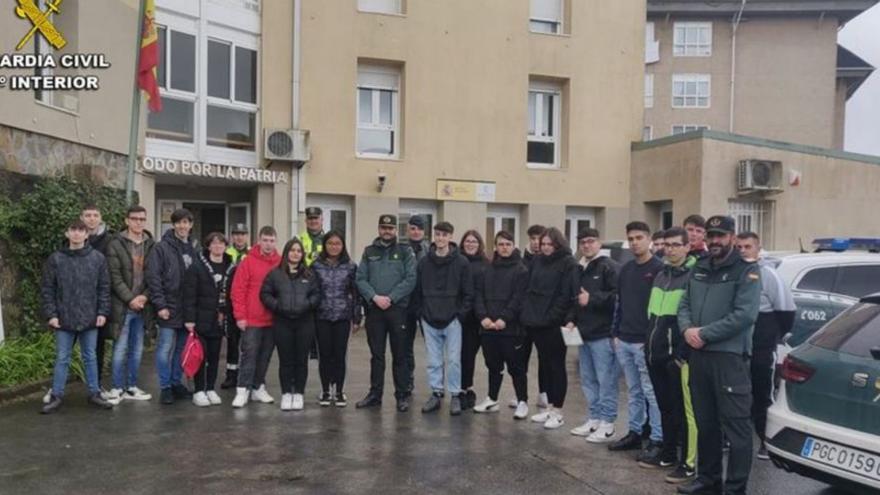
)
(717, 316)
(386, 276)
(239, 247)
(313, 237)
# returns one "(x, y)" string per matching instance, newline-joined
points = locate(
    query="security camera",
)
(380, 182)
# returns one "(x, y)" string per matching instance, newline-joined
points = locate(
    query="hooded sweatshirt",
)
(550, 292)
(246, 284)
(499, 293)
(444, 288)
(164, 273)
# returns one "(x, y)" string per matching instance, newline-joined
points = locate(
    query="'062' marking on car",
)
(814, 315)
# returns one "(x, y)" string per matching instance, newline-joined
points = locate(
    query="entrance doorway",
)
(208, 217)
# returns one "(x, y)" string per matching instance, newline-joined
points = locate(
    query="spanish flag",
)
(150, 58)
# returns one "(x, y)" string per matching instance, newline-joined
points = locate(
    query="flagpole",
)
(135, 108)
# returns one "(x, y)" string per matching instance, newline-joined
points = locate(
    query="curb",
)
(20, 391)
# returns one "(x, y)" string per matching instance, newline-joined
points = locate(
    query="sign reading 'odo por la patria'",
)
(166, 166)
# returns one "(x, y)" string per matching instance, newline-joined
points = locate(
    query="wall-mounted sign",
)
(465, 190)
(166, 166)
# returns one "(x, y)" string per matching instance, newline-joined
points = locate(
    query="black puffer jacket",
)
(76, 288)
(339, 295)
(444, 288)
(478, 266)
(101, 239)
(166, 267)
(599, 279)
(206, 295)
(551, 290)
(499, 293)
(291, 295)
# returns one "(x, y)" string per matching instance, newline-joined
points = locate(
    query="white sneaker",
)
(134, 393)
(554, 421)
(542, 400)
(48, 397)
(298, 401)
(602, 434)
(487, 406)
(522, 410)
(200, 399)
(541, 417)
(513, 404)
(260, 395)
(286, 402)
(586, 429)
(114, 396)
(241, 397)
(213, 398)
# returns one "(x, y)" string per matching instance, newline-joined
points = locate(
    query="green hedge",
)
(28, 359)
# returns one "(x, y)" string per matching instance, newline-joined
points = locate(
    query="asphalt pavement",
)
(148, 448)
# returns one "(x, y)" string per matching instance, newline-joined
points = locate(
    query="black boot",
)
(632, 441)
(699, 487)
(231, 380)
(369, 401)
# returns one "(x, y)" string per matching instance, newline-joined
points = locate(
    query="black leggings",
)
(498, 351)
(332, 347)
(470, 346)
(293, 338)
(551, 360)
(207, 374)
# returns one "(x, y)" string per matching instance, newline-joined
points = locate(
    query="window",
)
(652, 46)
(691, 90)
(545, 101)
(681, 129)
(177, 81)
(337, 213)
(649, 90)
(232, 96)
(381, 6)
(545, 16)
(692, 39)
(408, 208)
(818, 279)
(501, 217)
(855, 332)
(577, 219)
(647, 133)
(378, 111)
(754, 216)
(857, 281)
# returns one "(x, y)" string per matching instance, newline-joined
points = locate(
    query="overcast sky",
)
(862, 37)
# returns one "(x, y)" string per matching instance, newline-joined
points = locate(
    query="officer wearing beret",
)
(386, 276)
(717, 316)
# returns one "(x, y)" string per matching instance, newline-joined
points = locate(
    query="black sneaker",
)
(96, 400)
(668, 458)
(468, 400)
(632, 441)
(455, 405)
(231, 380)
(650, 457)
(369, 401)
(433, 403)
(403, 404)
(181, 392)
(53, 405)
(698, 486)
(340, 400)
(166, 396)
(762, 452)
(681, 474)
(325, 399)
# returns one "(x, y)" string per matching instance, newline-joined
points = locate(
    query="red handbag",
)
(192, 356)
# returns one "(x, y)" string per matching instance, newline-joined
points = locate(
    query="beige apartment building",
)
(769, 68)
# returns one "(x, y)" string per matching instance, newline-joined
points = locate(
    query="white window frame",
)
(652, 46)
(555, 90)
(572, 215)
(395, 7)
(199, 150)
(555, 24)
(760, 214)
(685, 128)
(647, 133)
(681, 44)
(649, 90)
(393, 85)
(499, 212)
(418, 207)
(329, 203)
(697, 79)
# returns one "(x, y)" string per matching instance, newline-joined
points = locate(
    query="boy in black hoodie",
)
(443, 295)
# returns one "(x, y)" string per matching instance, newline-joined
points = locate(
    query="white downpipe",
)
(297, 183)
(736, 19)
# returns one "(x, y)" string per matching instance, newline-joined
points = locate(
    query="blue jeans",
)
(64, 340)
(168, 351)
(639, 388)
(599, 375)
(436, 341)
(127, 351)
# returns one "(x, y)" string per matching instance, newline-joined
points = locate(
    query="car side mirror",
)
(875, 353)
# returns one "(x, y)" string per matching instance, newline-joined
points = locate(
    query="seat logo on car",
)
(860, 380)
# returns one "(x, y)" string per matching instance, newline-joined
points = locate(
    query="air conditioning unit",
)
(290, 145)
(759, 175)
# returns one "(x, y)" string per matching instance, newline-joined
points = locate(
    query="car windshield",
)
(854, 332)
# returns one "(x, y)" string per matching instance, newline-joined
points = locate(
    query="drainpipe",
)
(297, 178)
(736, 20)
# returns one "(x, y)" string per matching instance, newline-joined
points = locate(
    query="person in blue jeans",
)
(75, 294)
(127, 253)
(166, 267)
(630, 331)
(444, 294)
(593, 315)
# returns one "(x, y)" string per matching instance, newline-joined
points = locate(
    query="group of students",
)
(686, 352)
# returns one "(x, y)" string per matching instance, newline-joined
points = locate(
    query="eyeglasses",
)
(138, 219)
(675, 245)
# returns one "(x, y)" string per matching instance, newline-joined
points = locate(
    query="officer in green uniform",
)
(239, 247)
(313, 237)
(717, 317)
